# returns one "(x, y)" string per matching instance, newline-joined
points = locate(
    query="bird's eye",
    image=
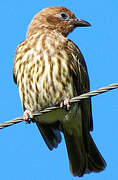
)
(64, 16)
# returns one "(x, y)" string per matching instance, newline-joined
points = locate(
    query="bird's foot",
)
(28, 115)
(66, 103)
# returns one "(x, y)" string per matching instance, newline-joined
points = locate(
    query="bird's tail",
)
(80, 160)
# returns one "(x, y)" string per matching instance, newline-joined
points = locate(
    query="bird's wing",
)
(81, 82)
(82, 151)
(18, 55)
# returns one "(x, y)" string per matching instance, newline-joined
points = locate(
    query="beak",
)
(80, 23)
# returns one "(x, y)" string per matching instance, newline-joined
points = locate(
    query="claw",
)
(66, 103)
(27, 116)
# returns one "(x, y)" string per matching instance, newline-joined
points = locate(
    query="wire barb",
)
(73, 100)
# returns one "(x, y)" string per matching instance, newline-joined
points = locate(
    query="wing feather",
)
(81, 82)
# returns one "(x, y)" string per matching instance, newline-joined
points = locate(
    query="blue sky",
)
(23, 152)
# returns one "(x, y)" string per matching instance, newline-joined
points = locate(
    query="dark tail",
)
(50, 133)
(80, 160)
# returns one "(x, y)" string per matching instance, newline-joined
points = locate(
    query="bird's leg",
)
(66, 103)
(27, 116)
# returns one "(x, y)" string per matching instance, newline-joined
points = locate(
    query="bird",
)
(49, 69)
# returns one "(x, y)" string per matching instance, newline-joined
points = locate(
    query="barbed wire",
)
(73, 100)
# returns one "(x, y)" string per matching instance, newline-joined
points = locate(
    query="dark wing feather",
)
(81, 81)
(84, 156)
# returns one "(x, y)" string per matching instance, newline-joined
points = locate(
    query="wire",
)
(73, 100)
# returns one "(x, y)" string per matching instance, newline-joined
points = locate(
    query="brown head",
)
(59, 19)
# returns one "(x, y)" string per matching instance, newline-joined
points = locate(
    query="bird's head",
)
(57, 18)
